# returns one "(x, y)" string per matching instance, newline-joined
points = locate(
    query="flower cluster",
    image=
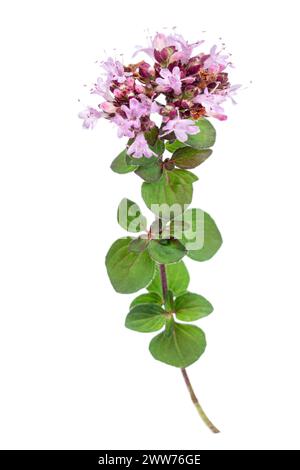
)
(179, 86)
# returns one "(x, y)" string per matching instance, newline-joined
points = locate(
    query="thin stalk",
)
(206, 420)
(199, 408)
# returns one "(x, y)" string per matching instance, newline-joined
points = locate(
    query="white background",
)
(72, 377)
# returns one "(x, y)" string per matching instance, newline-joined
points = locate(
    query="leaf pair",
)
(162, 251)
(147, 307)
(178, 345)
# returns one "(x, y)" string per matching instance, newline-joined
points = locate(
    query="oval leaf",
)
(146, 318)
(180, 347)
(187, 157)
(128, 272)
(150, 173)
(190, 307)
(177, 276)
(130, 217)
(171, 195)
(138, 244)
(174, 145)
(147, 298)
(120, 165)
(152, 135)
(202, 238)
(166, 251)
(140, 161)
(205, 138)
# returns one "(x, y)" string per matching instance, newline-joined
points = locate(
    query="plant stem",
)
(212, 427)
(164, 282)
(199, 408)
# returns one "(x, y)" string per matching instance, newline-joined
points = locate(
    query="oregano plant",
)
(162, 107)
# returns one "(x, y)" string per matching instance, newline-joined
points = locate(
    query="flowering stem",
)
(212, 427)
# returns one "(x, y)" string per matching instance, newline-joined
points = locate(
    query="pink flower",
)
(184, 49)
(140, 148)
(135, 110)
(210, 101)
(108, 107)
(115, 70)
(170, 81)
(230, 92)
(90, 117)
(161, 41)
(149, 105)
(102, 88)
(216, 62)
(181, 128)
(126, 128)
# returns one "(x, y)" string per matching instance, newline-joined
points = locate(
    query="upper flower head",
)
(179, 85)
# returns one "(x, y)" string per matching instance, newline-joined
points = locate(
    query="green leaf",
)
(166, 251)
(169, 303)
(190, 307)
(147, 298)
(202, 239)
(150, 173)
(151, 136)
(205, 138)
(146, 318)
(157, 227)
(158, 148)
(138, 244)
(177, 276)
(130, 217)
(171, 195)
(120, 165)
(172, 146)
(180, 347)
(128, 272)
(140, 161)
(187, 157)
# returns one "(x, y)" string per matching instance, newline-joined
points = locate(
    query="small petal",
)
(140, 148)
